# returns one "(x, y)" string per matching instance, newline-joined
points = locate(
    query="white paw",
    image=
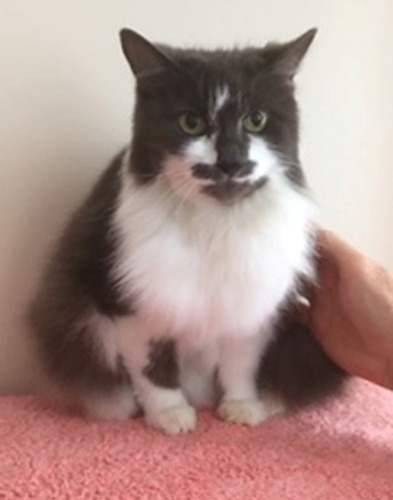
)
(178, 420)
(243, 411)
(119, 405)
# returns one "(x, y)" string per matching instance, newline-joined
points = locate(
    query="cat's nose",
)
(229, 168)
(235, 169)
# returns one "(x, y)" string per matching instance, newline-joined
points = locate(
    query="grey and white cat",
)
(173, 285)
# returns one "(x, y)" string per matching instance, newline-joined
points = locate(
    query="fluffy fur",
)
(170, 288)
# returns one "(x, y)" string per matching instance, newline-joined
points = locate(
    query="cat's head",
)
(215, 123)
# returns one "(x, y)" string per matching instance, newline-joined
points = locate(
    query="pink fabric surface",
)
(341, 451)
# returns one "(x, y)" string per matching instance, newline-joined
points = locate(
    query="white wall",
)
(65, 103)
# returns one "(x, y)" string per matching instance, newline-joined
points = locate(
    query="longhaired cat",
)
(174, 286)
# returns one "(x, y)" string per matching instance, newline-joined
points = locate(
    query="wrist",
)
(388, 378)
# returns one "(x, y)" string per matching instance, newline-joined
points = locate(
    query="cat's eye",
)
(255, 122)
(192, 124)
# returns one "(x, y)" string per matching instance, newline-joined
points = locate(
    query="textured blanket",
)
(341, 451)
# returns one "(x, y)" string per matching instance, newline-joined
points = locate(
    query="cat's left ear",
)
(145, 59)
(286, 58)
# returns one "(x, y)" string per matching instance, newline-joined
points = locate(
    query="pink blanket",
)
(342, 451)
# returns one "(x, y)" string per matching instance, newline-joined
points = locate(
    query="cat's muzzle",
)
(230, 191)
(228, 182)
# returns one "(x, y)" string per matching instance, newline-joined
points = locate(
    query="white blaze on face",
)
(221, 97)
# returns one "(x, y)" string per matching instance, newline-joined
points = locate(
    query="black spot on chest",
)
(162, 367)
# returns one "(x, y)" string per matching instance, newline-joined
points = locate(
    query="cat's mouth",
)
(227, 188)
(230, 191)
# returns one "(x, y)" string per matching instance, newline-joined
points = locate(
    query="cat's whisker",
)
(171, 195)
(285, 161)
(186, 189)
(178, 195)
(184, 198)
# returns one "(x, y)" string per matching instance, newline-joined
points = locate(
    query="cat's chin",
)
(230, 192)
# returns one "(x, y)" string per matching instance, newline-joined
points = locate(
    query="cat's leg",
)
(81, 368)
(238, 366)
(111, 396)
(155, 374)
(159, 389)
(295, 372)
(115, 404)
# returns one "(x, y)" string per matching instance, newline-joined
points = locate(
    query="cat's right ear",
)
(144, 58)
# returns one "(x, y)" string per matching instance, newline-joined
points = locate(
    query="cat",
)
(174, 286)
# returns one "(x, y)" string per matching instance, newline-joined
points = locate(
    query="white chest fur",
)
(211, 270)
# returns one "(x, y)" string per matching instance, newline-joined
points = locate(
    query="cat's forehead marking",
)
(221, 97)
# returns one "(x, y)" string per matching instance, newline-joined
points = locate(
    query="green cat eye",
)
(192, 124)
(255, 122)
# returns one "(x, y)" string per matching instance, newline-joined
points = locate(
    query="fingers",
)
(335, 248)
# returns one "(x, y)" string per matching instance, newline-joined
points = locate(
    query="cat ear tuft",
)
(143, 57)
(286, 58)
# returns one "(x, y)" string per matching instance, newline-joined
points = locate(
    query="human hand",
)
(351, 311)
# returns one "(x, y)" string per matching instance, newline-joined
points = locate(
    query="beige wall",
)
(65, 107)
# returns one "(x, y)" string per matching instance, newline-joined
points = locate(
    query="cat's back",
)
(77, 274)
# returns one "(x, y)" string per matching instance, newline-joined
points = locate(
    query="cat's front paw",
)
(177, 420)
(243, 411)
